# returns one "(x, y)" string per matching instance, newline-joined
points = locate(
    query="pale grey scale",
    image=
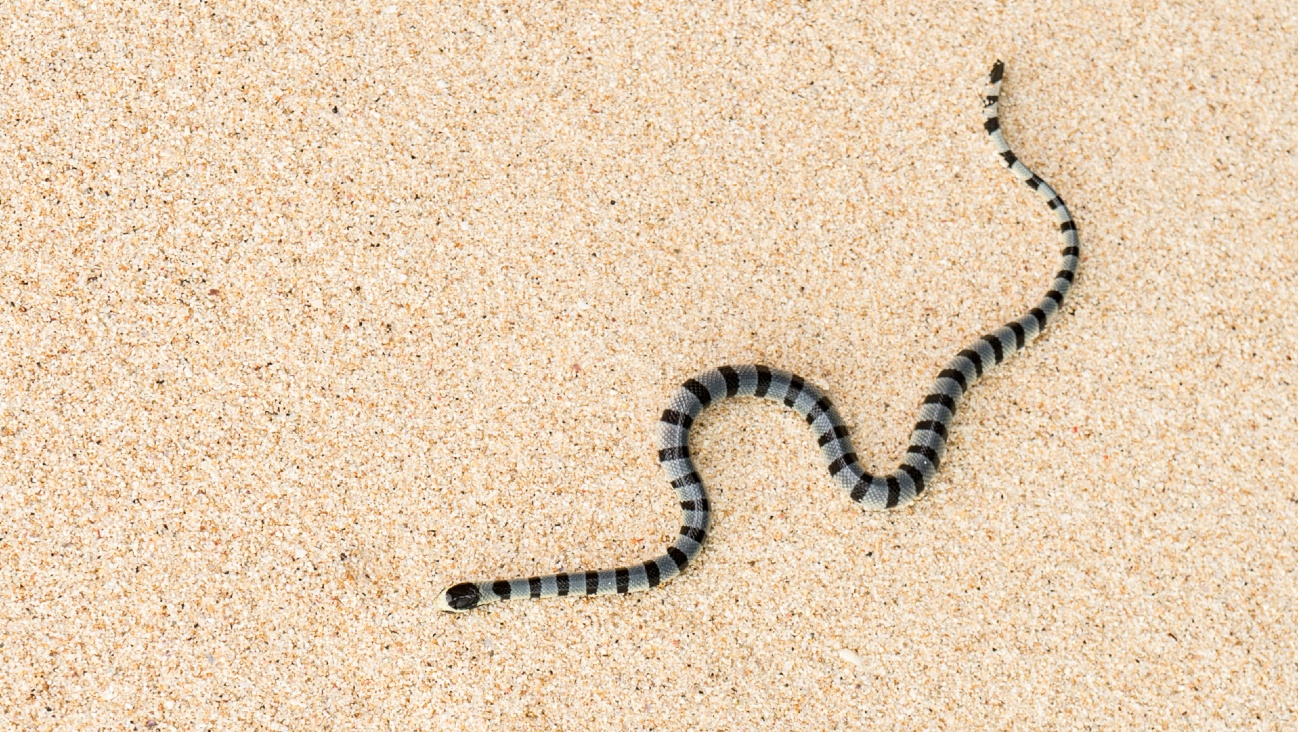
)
(678, 469)
(929, 439)
(1009, 340)
(807, 398)
(685, 403)
(747, 379)
(1049, 307)
(549, 586)
(695, 519)
(1029, 325)
(932, 439)
(1021, 171)
(835, 449)
(666, 567)
(672, 435)
(925, 466)
(779, 387)
(826, 420)
(985, 352)
(966, 367)
(1045, 191)
(948, 387)
(639, 581)
(929, 455)
(636, 581)
(920, 463)
(907, 492)
(848, 476)
(687, 545)
(877, 497)
(715, 383)
(691, 492)
(607, 582)
(935, 412)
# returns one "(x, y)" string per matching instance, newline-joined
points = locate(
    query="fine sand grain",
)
(307, 314)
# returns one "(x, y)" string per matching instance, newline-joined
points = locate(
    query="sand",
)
(307, 314)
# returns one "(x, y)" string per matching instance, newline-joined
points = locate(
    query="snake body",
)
(898, 488)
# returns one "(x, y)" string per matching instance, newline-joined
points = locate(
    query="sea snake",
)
(903, 485)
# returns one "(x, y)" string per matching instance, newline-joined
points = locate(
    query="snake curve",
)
(903, 485)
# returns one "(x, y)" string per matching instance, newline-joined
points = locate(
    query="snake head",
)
(458, 598)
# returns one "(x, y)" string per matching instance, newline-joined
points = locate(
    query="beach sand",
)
(308, 314)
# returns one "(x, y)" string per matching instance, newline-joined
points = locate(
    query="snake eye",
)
(463, 596)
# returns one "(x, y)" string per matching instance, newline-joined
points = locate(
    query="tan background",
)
(272, 375)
